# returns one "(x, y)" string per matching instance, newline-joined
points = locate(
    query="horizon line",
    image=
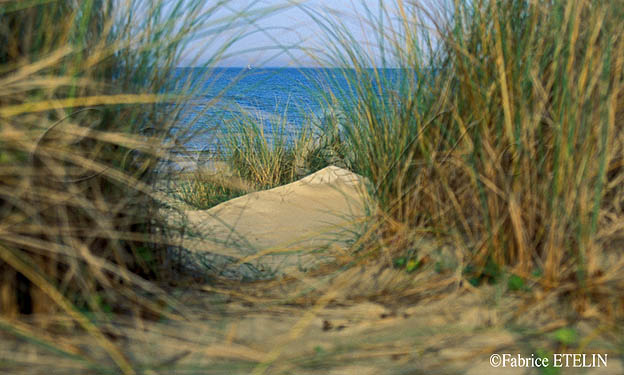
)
(276, 67)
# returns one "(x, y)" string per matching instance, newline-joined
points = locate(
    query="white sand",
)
(276, 230)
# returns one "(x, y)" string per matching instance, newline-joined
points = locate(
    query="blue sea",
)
(268, 94)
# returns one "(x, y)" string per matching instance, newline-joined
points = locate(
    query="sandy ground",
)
(227, 329)
(456, 334)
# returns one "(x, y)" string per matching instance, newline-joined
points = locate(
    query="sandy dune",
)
(275, 231)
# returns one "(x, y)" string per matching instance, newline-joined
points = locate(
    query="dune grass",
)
(203, 190)
(497, 130)
(88, 108)
(264, 151)
(267, 152)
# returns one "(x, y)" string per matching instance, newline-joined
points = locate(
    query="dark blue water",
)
(293, 97)
(277, 98)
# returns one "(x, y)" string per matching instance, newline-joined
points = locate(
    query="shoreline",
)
(190, 161)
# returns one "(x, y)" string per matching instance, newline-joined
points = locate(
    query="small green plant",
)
(490, 273)
(400, 262)
(565, 336)
(409, 264)
(516, 283)
(412, 265)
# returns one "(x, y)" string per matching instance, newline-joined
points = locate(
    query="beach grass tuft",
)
(267, 152)
(203, 190)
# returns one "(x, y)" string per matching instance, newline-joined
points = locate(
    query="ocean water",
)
(293, 96)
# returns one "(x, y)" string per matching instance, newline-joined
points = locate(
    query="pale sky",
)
(288, 29)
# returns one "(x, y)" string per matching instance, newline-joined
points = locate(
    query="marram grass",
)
(87, 108)
(494, 126)
(267, 152)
